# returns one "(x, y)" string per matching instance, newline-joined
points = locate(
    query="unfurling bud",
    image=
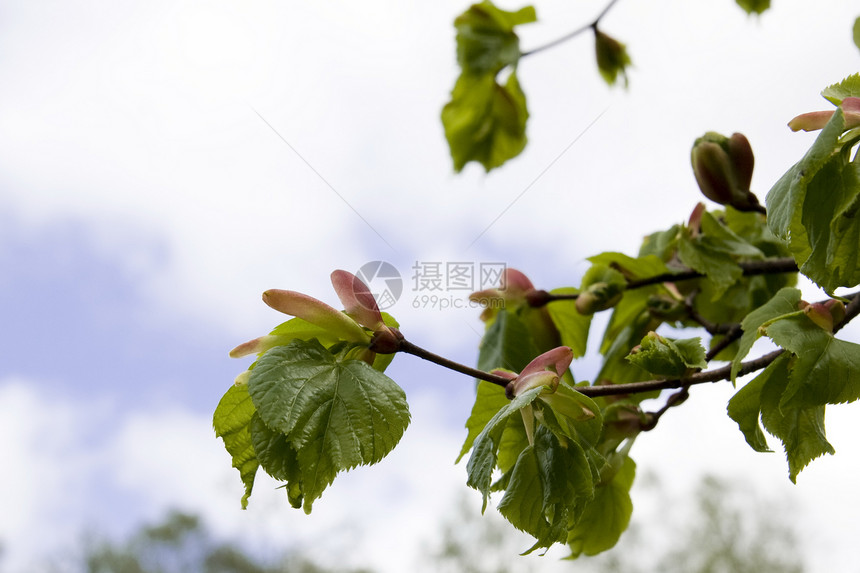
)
(723, 167)
(612, 57)
(597, 297)
(825, 314)
(666, 307)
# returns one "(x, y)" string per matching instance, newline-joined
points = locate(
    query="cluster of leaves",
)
(316, 402)
(313, 404)
(485, 121)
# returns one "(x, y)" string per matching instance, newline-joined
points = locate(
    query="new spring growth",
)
(818, 119)
(612, 57)
(599, 296)
(517, 292)
(360, 323)
(825, 314)
(723, 167)
(546, 370)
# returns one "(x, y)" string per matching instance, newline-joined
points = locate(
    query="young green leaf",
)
(849, 87)
(278, 458)
(485, 449)
(572, 325)
(823, 232)
(232, 422)
(801, 429)
(826, 370)
(547, 488)
(486, 41)
(612, 58)
(507, 344)
(631, 268)
(856, 33)
(745, 407)
(783, 303)
(336, 414)
(485, 121)
(489, 400)
(663, 356)
(714, 253)
(754, 6)
(606, 516)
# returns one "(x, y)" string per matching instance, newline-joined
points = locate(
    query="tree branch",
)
(409, 348)
(716, 375)
(571, 35)
(750, 268)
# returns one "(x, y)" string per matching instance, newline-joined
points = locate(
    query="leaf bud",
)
(723, 167)
(825, 314)
(666, 307)
(386, 340)
(598, 296)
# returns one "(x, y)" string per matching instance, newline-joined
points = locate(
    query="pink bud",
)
(257, 345)
(357, 299)
(316, 312)
(545, 370)
(815, 120)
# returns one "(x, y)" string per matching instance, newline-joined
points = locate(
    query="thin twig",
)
(716, 375)
(409, 348)
(571, 35)
(749, 268)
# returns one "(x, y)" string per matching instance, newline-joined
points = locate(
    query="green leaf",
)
(714, 252)
(661, 244)
(606, 516)
(616, 368)
(754, 6)
(663, 356)
(784, 302)
(489, 400)
(814, 208)
(232, 421)
(486, 41)
(856, 33)
(639, 268)
(336, 414)
(485, 121)
(485, 448)
(278, 458)
(722, 238)
(830, 218)
(303, 330)
(722, 270)
(632, 310)
(547, 487)
(745, 408)
(572, 326)
(612, 57)
(850, 86)
(506, 344)
(801, 429)
(826, 370)
(578, 416)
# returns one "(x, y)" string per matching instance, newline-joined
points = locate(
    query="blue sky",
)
(144, 206)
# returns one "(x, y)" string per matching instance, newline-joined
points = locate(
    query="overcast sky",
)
(163, 163)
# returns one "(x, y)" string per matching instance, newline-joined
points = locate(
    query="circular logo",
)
(384, 282)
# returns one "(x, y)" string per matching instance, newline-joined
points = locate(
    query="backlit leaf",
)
(337, 414)
(232, 422)
(606, 516)
(485, 121)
